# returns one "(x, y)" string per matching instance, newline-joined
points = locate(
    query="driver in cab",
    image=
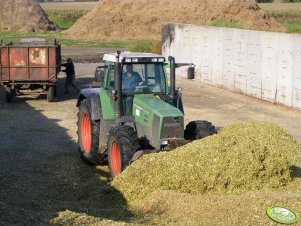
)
(130, 78)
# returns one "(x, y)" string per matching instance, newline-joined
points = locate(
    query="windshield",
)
(143, 78)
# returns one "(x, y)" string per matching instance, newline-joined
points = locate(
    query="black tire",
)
(198, 129)
(122, 144)
(50, 93)
(55, 90)
(9, 94)
(88, 135)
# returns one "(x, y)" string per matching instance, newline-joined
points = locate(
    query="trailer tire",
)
(198, 129)
(88, 135)
(9, 94)
(55, 90)
(122, 144)
(51, 93)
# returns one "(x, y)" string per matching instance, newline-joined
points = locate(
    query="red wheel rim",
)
(115, 158)
(86, 132)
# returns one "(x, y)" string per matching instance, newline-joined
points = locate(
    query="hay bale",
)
(24, 16)
(242, 157)
(143, 19)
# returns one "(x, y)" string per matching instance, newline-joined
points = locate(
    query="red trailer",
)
(31, 64)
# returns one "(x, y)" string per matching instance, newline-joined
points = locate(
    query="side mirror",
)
(99, 74)
(190, 72)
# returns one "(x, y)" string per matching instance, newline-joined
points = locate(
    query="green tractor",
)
(134, 111)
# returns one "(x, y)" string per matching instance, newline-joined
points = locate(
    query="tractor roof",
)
(130, 55)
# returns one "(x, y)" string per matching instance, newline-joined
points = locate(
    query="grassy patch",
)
(146, 46)
(64, 15)
(16, 36)
(280, 6)
(289, 14)
(65, 41)
(141, 46)
(64, 19)
(293, 27)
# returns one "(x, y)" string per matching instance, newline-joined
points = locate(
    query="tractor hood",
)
(156, 119)
(151, 103)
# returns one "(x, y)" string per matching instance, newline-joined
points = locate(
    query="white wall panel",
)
(265, 65)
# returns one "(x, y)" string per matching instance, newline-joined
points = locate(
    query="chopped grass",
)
(241, 158)
(68, 5)
(226, 24)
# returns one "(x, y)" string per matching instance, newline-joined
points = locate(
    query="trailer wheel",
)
(51, 93)
(9, 94)
(88, 135)
(122, 144)
(198, 129)
(55, 90)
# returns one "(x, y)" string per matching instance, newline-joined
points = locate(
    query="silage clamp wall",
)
(266, 65)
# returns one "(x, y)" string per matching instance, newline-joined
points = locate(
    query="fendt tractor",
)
(134, 111)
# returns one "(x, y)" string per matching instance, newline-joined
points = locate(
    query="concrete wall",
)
(265, 65)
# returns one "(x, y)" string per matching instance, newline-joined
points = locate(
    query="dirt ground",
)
(41, 173)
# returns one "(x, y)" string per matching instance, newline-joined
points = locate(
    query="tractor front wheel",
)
(198, 129)
(88, 135)
(122, 144)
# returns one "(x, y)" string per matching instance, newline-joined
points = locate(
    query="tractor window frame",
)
(158, 71)
(109, 75)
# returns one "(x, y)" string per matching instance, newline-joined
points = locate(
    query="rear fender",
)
(92, 95)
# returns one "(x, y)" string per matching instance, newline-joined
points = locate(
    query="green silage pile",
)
(242, 157)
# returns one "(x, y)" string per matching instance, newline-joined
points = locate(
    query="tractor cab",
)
(140, 73)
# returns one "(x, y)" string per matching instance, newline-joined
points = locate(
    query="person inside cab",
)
(130, 79)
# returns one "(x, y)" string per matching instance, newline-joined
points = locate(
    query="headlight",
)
(164, 142)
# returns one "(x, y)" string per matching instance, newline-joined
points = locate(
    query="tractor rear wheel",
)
(88, 135)
(122, 144)
(198, 129)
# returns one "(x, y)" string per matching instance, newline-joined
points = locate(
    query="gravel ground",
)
(40, 170)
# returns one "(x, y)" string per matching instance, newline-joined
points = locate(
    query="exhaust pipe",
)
(118, 88)
(172, 76)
